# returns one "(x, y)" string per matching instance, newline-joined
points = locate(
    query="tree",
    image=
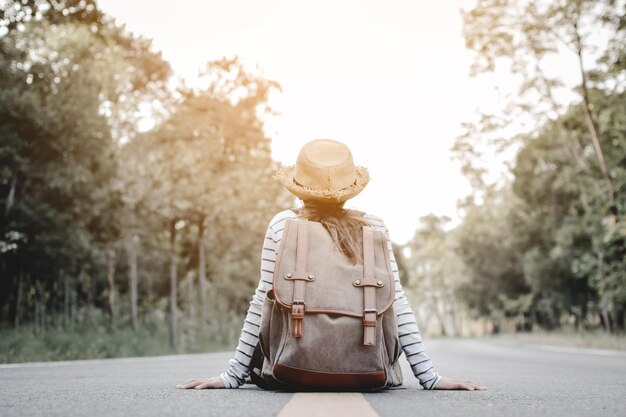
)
(525, 34)
(563, 210)
(485, 241)
(209, 166)
(434, 272)
(61, 74)
(567, 235)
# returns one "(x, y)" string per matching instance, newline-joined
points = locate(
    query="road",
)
(522, 380)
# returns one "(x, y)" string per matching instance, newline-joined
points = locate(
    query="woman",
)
(324, 177)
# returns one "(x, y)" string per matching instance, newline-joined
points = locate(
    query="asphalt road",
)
(522, 380)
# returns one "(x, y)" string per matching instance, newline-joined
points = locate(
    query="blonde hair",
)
(344, 225)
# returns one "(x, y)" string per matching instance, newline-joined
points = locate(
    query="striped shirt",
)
(408, 331)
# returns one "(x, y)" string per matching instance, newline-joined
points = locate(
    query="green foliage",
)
(88, 200)
(486, 242)
(548, 244)
(523, 38)
(209, 163)
(97, 338)
(65, 70)
(58, 156)
(433, 271)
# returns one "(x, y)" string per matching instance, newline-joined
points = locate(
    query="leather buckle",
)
(369, 317)
(369, 314)
(369, 326)
(297, 309)
(297, 316)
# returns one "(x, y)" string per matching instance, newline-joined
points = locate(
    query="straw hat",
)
(324, 171)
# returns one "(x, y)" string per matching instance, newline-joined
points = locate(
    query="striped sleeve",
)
(408, 330)
(239, 366)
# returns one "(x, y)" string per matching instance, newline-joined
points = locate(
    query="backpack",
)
(328, 324)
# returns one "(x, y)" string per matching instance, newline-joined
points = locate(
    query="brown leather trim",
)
(332, 310)
(369, 336)
(297, 319)
(292, 276)
(369, 289)
(331, 380)
(302, 248)
(362, 283)
(368, 256)
(299, 286)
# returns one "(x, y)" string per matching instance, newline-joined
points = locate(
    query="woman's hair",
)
(345, 226)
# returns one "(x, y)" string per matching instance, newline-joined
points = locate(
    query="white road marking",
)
(326, 404)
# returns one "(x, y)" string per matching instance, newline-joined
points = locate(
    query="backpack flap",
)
(312, 276)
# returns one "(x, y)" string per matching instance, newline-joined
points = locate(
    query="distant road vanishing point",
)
(521, 379)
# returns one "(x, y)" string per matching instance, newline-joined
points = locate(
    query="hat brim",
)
(286, 176)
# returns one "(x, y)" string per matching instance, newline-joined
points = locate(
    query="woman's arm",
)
(409, 333)
(239, 366)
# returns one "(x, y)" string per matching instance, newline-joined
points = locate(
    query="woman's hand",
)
(447, 383)
(214, 382)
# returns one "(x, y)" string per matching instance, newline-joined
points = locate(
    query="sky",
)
(388, 78)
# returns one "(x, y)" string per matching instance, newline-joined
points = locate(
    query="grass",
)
(99, 339)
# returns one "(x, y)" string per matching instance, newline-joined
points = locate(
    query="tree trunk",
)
(605, 317)
(17, 301)
(575, 153)
(620, 321)
(173, 284)
(189, 312)
(591, 125)
(495, 328)
(37, 325)
(111, 282)
(190, 297)
(10, 201)
(149, 288)
(456, 325)
(604, 302)
(440, 317)
(74, 304)
(11, 289)
(202, 270)
(88, 289)
(40, 308)
(66, 297)
(132, 279)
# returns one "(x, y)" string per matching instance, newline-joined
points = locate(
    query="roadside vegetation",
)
(130, 224)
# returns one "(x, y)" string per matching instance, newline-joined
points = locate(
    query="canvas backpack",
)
(328, 324)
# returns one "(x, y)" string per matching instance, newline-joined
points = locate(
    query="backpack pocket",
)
(331, 355)
(266, 323)
(391, 338)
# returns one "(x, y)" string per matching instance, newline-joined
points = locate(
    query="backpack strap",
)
(300, 277)
(369, 284)
(256, 367)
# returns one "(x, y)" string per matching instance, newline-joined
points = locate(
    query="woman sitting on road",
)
(324, 178)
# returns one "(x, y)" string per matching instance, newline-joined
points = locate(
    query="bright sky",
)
(388, 78)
